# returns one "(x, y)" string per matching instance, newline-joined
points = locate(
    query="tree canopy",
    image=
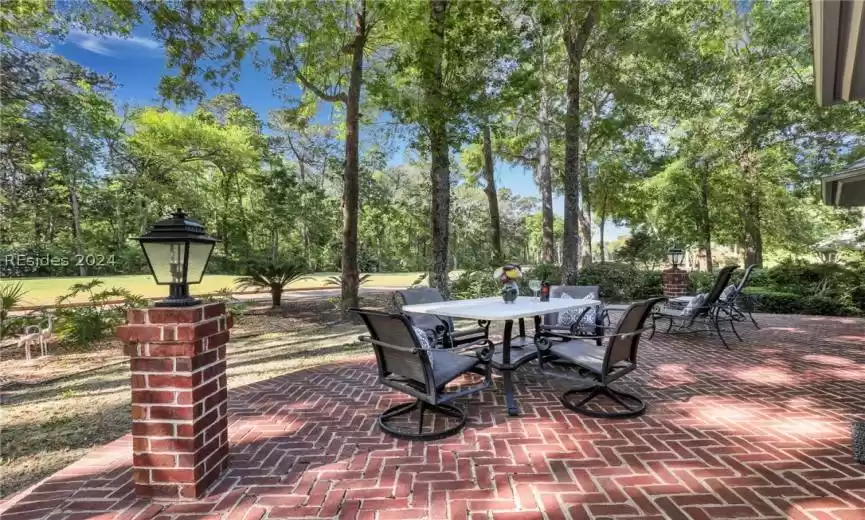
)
(691, 123)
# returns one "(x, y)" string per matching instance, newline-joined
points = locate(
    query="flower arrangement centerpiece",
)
(507, 276)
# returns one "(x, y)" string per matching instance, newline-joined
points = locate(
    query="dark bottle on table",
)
(545, 291)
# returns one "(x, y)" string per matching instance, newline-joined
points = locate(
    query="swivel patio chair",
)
(709, 312)
(439, 328)
(599, 366)
(423, 373)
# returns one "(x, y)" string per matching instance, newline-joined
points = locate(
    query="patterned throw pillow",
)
(694, 305)
(589, 317)
(424, 342)
(728, 292)
(568, 317)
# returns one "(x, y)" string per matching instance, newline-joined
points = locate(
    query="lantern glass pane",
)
(199, 253)
(166, 261)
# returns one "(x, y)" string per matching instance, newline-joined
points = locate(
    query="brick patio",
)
(759, 432)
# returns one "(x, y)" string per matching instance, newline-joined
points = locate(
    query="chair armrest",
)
(367, 339)
(605, 336)
(483, 349)
(572, 330)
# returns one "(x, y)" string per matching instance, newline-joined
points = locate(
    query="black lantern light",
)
(675, 255)
(177, 251)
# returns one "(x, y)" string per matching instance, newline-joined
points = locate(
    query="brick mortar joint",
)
(175, 388)
(176, 371)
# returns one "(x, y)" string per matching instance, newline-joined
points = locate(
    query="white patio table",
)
(495, 309)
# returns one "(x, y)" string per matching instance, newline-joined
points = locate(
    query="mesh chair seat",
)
(671, 312)
(585, 354)
(448, 366)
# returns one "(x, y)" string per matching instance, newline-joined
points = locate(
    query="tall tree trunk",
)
(602, 220)
(575, 36)
(753, 239)
(350, 187)
(586, 234)
(223, 224)
(706, 222)
(72, 185)
(585, 213)
(545, 180)
(492, 197)
(440, 168)
(76, 226)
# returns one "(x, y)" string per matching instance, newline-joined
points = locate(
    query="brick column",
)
(675, 282)
(179, 398)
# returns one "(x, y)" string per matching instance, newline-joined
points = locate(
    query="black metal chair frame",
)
(712, 313)
(408, 369)
(616, 364)
(737, 311)
(444, 332)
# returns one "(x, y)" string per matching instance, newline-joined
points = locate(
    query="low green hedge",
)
(779, 302)
(621, 282)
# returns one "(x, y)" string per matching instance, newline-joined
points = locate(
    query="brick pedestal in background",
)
(675, 282)
(179, 398)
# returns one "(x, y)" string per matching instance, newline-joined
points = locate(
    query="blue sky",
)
(137, 63)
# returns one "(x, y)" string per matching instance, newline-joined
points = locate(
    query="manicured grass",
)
(44, 291)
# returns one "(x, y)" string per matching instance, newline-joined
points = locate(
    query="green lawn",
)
(43, 291)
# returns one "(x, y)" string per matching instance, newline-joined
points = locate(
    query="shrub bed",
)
(789, 288)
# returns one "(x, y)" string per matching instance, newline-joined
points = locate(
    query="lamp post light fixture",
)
(675, 255)
(177, 251)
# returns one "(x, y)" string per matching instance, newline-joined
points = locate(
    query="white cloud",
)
(111, 45)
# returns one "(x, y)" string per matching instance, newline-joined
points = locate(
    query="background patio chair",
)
(710, 313)
(577, 292)
(439, 328)
(422, 373)
(600, 365)
(739, 303)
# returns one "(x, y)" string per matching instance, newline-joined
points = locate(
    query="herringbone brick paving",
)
(759, 432)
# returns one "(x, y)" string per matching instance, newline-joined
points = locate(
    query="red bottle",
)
(545, 291)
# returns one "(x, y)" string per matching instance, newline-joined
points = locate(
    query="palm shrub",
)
(336, 280)
(82, 325)
(544, 271)
(272, 276)
(11, 295)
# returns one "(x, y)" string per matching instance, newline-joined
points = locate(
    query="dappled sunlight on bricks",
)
(305, 445)
(766, 376)
(669, 375)
(829, 360)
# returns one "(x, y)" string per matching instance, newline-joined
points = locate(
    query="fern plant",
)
(272, 276)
